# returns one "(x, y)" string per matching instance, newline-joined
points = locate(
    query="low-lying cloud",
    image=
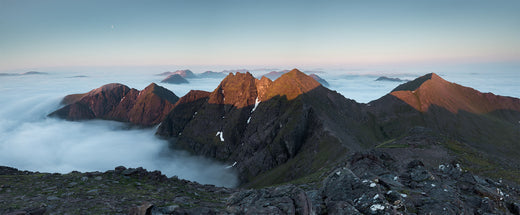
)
(31, 141)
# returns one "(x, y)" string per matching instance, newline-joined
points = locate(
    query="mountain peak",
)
(413, 85)
(237, 89)
(119, 102)
(110, 88)
(162, 92)
(175, 79)
(292, 84)
(432, 90)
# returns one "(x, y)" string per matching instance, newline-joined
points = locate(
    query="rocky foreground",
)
(366, 183)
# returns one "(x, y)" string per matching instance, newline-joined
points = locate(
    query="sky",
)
(60, 33)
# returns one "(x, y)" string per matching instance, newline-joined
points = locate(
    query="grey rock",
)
(144, 209)
(164, 210)
(128, 172)
(92, 191)
(53, 198)
(285, 199)
(342, 207)
(514, 208)
(120, 169)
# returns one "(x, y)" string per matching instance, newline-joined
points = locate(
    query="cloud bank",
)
(31, 141)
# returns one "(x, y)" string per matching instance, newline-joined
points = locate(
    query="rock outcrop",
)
(259, 125)
(371, 182)
(175, 79)
(118, 102)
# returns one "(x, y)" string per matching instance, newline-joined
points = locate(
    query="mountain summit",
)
(264, 127)
(119, 102)
(470, 121)
(431, 89)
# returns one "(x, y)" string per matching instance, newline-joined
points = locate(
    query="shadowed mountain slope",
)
(470, 120)
(283, 129)
(119, 102)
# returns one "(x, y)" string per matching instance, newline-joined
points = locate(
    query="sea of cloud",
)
(29, 140)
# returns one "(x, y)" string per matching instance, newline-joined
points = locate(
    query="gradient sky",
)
(51, 33)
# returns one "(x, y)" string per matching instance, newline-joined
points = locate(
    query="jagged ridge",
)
(262, 124)
(119, 102)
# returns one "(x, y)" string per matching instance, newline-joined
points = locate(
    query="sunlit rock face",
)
(258, 125)
(121, 103)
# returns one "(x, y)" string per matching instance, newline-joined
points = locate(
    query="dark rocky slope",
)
(374, 182)
(270, 131)
(119, 102)
(482, 128)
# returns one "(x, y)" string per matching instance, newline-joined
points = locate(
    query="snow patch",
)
(433, 185)
(376, 196)
(338, 173)
(377, 207)
(403, 195)
(458, 167)
(248, 119)
(221, 135)
(257, 102)
(234, 164)
(372, 184)
(395, 178)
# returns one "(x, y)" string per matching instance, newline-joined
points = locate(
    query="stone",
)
(53, 198)
(144, 209)
(285, 199)
(129, 172)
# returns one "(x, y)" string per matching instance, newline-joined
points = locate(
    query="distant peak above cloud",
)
(432, 90)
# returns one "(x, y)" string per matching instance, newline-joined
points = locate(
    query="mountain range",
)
(294, 130)
(121, 103)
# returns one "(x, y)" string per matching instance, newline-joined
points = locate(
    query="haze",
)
(53, 33)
